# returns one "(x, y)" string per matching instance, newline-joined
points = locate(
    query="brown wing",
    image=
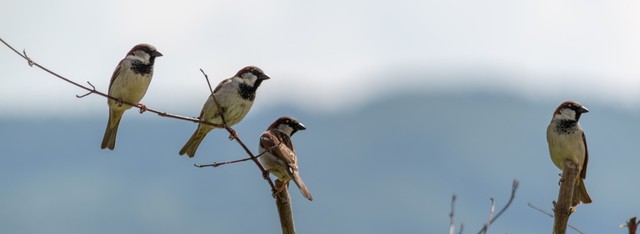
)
(583, 173)
(115, 73)
(221, 84)
(279, 145)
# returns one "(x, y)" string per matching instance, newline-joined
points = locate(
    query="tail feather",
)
(193, 143)
(581, 192)
(303, 188)
(110, 133)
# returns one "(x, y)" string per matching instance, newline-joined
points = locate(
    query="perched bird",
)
(129, 83)
(279, 156)
(567, 142)
(235, 96)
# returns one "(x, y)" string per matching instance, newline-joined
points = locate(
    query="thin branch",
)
(206, 77)
(93, 90)
(493, 207)
(551, 216)
(217, 164)
(461, 228)
(452, 216)
(514, 188)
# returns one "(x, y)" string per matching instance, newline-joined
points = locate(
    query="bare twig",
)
(206, 77)
(93, 90)
(551, 216)
(452, 216)
(514, 188)
(220, 110)
(563, 208)
(217, 164)
(632, 225)
(493, 207)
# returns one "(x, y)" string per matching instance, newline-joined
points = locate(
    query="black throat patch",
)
(248, 92)
(566, 126)
(141, 68)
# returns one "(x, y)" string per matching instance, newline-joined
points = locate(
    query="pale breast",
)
(564, 147)
(130, 87)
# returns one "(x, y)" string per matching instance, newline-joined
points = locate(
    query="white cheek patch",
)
(141, 55)
(285, 128)
(567, 114)
(249, 79)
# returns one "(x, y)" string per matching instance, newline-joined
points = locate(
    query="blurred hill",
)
(387, 167)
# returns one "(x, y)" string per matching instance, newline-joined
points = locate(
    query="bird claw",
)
(233, 134)
(220, 111)
(120, 102)
(279, 190)
(142, 107)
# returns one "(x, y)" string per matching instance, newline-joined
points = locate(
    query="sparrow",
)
(129, 83)
(278, 155)
(235, 96)
(567, 142)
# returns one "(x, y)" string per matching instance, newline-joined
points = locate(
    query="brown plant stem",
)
(283, 203)
(563, 209)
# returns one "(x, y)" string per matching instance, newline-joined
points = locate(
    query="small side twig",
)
(217, 164)
(24, 52)
(551, 216)
(206, 77)
(93, 90)
(493, 207)
(452, 217)
(514, 188)
(632, 225)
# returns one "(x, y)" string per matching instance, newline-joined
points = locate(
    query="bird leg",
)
(142, 107)
(284, 185)
(560, 180)
(265, 174)
(233, 134)
(220, 111)
(120, 102)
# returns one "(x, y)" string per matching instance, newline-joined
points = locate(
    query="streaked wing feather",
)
(116, 72)
(583, 173)
(283, 147)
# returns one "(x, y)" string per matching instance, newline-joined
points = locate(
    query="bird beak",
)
(583, 110)
(263, 77)
(156, 54)
(300, 126)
